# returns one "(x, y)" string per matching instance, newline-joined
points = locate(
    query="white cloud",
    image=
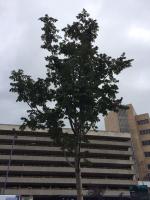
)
(139, 33)
(94, 7)
(142, 83)
(137, 81)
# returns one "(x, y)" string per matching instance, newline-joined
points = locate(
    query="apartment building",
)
(31, 165)
(139, 127)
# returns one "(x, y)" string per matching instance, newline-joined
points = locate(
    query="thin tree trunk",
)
(78, 174)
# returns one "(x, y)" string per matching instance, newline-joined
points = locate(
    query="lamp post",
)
(9, 161)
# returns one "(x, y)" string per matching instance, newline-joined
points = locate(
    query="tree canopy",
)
(80, 81)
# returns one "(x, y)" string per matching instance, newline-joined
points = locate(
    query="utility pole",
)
(9, 161)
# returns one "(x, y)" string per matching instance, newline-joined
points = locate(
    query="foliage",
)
(80, 81)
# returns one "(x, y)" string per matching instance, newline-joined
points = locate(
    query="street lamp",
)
(9, 162)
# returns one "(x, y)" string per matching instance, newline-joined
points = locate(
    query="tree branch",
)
(68, 161)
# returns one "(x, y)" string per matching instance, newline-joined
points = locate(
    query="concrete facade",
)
(37, 167)
(139, 127)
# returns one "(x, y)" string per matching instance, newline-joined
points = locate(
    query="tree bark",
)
(78, 174)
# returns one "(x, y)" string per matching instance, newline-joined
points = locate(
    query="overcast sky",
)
(124, 27)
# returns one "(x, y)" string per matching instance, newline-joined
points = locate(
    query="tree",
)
(80, 84)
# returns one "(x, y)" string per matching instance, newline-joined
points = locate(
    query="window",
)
(147, 154)
(147, 142)
(148, 166)
(123, 121)
(146, 131)
(144, 121)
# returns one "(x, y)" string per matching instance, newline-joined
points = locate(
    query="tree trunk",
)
(78, 174)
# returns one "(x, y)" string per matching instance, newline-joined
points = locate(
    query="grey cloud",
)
(20, 44)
